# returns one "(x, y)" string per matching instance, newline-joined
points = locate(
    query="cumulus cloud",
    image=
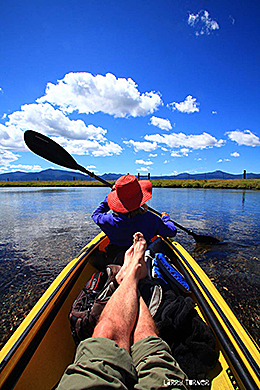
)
(245, 137)
(143, 169)
(221, 160)
(7, 157)
(24, 168)
(153, 155)
(163, 124)
(84, 139)
(235, 154)
(85, 147)
(202, 23)
(179, 144)
(180, 153)
(85, 93)
(143, 162)
(189, 106)
(138, 146)
(178, 140)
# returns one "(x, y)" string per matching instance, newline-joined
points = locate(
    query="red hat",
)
(129, 194)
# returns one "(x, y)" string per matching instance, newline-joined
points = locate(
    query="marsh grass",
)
(247, 184)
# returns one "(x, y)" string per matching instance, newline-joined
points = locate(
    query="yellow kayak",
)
(38, 353)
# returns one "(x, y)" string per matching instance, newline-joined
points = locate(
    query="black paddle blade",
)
(204, 239)
(49, 149)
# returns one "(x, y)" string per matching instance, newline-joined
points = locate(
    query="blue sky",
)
(132, 86)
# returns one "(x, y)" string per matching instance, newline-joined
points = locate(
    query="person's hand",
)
(164, 213)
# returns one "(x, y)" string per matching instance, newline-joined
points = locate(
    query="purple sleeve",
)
(167, 227)
(100, 215)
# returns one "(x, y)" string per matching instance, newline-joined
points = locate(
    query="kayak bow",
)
(42, 347)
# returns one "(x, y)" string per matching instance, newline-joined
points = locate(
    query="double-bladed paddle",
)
(48, 149)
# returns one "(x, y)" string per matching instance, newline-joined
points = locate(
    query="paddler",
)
(129, 215)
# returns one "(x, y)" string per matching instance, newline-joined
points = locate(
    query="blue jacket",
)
(120, 229)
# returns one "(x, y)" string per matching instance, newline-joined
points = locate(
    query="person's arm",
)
(166, 227)
(100, 215)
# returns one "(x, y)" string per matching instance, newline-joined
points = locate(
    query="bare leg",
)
(119, 315)
(145, 325)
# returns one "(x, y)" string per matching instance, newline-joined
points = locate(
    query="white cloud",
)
(1, 90)
(221, 160)
(245, 137)
(143, 169)
(138, 146)
(193, 141)
(24, 168)
(198, 159)
(85, 93)
(233, 21)
(91, 167)
(214, 112)
(163, 124)
(143, 162)
(202, 23)
(153, 155)
(180, 153)
(7, 157)
(180, 141)
(166, 161)
(85, 147)
(189, 106)
(235, 154)
(48, 120)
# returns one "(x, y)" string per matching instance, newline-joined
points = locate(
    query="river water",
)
(41, 229)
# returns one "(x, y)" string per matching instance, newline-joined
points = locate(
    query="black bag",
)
(89, 304)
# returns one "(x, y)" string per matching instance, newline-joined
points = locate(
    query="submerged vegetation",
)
(247, 184)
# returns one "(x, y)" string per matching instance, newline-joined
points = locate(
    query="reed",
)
(247, 184)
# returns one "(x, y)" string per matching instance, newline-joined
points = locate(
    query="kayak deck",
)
(42, 347)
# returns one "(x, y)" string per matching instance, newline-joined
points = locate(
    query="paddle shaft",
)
(82, 169)
(107, 184)
(51, 151)
(92, 174)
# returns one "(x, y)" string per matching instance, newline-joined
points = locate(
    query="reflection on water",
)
(41, 229)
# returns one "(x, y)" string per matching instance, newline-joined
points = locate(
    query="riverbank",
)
(244, 184)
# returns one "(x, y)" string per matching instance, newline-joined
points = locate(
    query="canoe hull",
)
(42, 347)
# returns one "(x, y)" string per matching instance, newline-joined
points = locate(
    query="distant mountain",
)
(58, 174)
(52, 175)
(209, 175)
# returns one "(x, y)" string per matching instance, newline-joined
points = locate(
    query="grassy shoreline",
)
(247, 184)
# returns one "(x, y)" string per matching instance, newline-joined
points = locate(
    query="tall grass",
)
(247, 184)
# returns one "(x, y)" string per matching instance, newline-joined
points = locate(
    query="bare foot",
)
(134, 262)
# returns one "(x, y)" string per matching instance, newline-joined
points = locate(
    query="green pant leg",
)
(156, 368)
(99, 364)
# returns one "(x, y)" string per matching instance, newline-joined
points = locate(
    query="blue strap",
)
(170, 273)
(158, 275)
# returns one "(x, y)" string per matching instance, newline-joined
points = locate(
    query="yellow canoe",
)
(37, 354)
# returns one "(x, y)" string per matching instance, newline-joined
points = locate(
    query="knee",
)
(108, 329)
(104, 328)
